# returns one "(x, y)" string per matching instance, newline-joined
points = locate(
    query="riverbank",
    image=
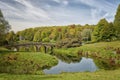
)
(25, 62)
(99, 75)
(106, 55)
(100, 49)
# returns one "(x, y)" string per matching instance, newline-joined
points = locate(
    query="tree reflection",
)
(69, 59)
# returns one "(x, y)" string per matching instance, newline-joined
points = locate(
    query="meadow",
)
(100, 51)
(99, 75)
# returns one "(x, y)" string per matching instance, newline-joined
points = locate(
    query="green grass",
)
(90, 48)
(3, 49)
(102, 53)
(25, 62)
(101, 47)
(100, 75)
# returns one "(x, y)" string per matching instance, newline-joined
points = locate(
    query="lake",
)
(85, 64)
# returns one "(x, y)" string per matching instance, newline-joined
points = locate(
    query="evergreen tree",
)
(117, 22)
(4, 28)
(99, 31)
(108, 32)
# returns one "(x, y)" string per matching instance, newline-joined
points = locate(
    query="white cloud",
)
(9, 9)
(97, 7)
(38, 12)
(29, 16)
(101, 4)
(65, 2)
(60, 12)
(30, 12)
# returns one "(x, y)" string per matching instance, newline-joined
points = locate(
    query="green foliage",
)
(29, 34)
(4, 28)
(3, 50)
(65, 52)
(68, 42)
(32, 48)
(117, 22)
(86, 34)
(104, 31)
(109, 32)
(25, 63)
(66, 55)
(91, 48)
(51, 34)
(46, 39)
(22, 48)
(17, 36)
(10, 37)
(37, 36)
(42, 49)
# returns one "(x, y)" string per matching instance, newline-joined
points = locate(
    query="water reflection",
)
(85, 64)
(107, 64)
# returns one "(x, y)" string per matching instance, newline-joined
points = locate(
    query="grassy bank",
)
(106, 55)
(100, 75)
(103, 48)
(25, 62)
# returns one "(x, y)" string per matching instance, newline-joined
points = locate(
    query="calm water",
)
(85, 64)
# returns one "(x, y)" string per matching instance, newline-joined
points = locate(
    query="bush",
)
(68, 43)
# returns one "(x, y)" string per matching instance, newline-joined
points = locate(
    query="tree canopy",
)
(103, 31)
(117, 22)
(4, 28)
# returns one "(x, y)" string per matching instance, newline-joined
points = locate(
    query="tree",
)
(4, 28)
(54, 34)
(17, 36)
(10, 37)
(117, 22)
(29, 34)
(37, 36)
(108, 32)
(86, 34)
(99, 31)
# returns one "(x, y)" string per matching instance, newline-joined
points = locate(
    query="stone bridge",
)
(37, 45)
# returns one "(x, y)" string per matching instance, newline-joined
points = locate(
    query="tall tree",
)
(10, 37)
(4, 28)
(108, 32)
(86, 34)
(29, 34)
(37, 36)
(117, 22)
(98, 32)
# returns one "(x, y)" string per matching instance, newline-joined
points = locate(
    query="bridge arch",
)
(38, 47)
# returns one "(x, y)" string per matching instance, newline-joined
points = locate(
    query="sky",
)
(22, 14)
